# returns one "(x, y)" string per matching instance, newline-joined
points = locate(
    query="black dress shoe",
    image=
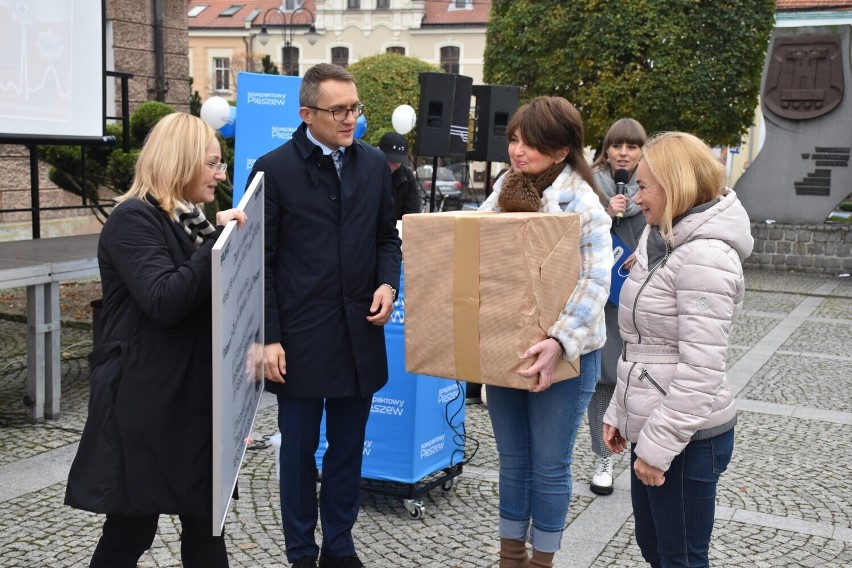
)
(305, 562)
(343, 562)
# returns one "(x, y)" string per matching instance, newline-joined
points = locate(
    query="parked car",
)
(448, 190)
(462, 172)
(446, 181)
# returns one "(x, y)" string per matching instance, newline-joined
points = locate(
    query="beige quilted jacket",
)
(675, 317)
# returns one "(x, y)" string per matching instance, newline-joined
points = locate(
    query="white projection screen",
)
(51, 69)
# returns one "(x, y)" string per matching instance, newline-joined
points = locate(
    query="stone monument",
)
(802, 172)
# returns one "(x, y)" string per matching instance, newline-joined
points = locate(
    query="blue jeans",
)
(535, 434)
(674, 521)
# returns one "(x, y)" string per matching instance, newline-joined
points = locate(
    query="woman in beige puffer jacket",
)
(672, 401)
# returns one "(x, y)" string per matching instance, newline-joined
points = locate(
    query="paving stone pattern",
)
(784, 500)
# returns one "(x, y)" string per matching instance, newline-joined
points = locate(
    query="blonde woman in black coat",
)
(146, 448)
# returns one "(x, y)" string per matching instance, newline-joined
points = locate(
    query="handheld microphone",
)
(621, 178)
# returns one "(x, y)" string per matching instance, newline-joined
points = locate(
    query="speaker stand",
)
(434, 184)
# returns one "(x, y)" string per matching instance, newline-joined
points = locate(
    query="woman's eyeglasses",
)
(220, 167)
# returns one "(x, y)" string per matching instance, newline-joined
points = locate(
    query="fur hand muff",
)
(521, 192)
(518, 193)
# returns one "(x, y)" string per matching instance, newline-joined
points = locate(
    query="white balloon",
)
(216, 112)
(403, 119)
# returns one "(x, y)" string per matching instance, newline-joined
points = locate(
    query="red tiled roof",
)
(812, 5)
(210, 16)
(438, 12)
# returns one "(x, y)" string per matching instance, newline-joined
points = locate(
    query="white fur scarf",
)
(566, 187)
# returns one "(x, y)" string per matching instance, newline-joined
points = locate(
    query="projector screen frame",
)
(32, 141)
(69, 139)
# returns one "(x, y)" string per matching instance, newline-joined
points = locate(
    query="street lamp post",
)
(312, 36)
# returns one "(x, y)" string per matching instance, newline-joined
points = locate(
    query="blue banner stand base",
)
(415, 434)
(410, 493)
(399, 459)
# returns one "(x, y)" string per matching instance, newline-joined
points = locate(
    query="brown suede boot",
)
(513, 553)
(541, 559)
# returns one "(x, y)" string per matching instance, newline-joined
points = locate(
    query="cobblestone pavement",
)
(783, 502)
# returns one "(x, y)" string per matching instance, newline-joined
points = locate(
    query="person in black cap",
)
(405, 196)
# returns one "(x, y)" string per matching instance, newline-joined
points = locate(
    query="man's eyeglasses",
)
(339, 114)
(220, 167)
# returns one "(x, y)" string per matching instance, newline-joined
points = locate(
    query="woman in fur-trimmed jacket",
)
(672, 401)
(535, 430)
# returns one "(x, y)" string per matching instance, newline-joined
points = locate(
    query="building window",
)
(450, 59)
(340, 56)
(461, 5)
(396, 49)
(222, 73)
(290, 5)
(196, 10)
(290, 59)
(382, 4)
(231, 10)
(353, 4)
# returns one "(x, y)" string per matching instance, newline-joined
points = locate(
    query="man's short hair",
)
(309, 92)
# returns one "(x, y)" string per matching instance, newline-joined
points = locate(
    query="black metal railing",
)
(32, 143)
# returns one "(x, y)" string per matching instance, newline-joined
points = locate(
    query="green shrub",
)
(112, 168)
(143, 119)
(120, 169)
(194, 100)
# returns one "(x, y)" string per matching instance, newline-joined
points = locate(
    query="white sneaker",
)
(602, 480)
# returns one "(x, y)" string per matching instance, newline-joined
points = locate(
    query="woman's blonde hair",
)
(172, 160)
(687, 171)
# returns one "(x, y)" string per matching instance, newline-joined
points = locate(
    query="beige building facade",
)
(224, 41)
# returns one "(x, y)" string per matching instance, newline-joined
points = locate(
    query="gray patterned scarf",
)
(192, 219)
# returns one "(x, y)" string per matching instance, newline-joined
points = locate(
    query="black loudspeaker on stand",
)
(444, 114)
(495, 105)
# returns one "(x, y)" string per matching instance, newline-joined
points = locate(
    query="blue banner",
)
(414, 420)
(268, 115)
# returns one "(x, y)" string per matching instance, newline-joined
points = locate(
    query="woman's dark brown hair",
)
(551, 124)
(622, 131)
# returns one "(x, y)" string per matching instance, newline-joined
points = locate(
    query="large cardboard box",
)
(482, 287)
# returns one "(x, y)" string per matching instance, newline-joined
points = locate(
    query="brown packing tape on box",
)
(482, 287)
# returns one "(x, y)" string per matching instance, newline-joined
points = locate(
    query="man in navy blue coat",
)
(332, 269)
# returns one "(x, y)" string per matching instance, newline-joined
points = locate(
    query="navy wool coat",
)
(147, 444)
(329, 245)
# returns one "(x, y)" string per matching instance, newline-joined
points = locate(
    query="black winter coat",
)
(147, 444)
(329, 245)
